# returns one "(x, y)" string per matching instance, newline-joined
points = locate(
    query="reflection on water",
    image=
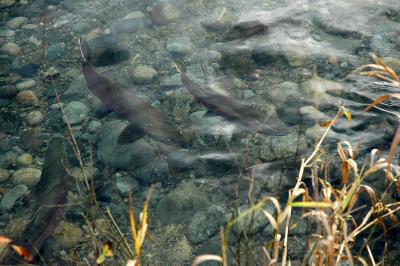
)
(197, 97)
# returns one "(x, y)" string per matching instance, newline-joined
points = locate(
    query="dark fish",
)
(51, 196)
(234, 110)
(142, 116)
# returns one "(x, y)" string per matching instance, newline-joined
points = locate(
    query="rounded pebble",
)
(34, 118)
(4, 175)
(164, 13)
(26, 176)
(16, 23)
(26, 97)
(28, 84)
(24, 159)
(144, 75)
(11, 196)
(76, 112)
(67, 235)
(11, 48)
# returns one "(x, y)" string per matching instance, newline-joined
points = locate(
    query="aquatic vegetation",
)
(379, 71)
(335, 211)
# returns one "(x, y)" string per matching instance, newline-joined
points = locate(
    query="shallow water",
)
(260, 77)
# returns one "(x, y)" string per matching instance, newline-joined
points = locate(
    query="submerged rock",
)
(125, 156)
(144, 74)
(67, 235)
(164, 13)
(181, 203)
(76, 112)
(11, 196)
(205, 224)
(26, 176)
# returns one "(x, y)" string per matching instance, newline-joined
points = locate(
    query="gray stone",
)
(182, 101)
(71, 4)
(55, 51)
(164, 13)
(154, 171)
(255, 221)
(180, 46)
(25, 85)
(131, 23)
(8, 159)
(11, 196)
(272, 148)
(181, 203)
(280, 93)
(4, 175)
(16, 22)
(126, 156)
(205, 224)
(7, 33)
(34, 118)
(321, 91)
(126, 185)
(26, 176)
(8, 91)
(76, 112)
(81, 27)
(7, 3)
(171, 82)
(144, 74)
(10, 48)
(94, 126)
(77, 89)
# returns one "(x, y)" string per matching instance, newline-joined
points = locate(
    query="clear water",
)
(259, 79)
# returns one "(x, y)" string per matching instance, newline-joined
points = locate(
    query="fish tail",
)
(84, 49)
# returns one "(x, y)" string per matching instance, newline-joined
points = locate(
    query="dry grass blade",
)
(387, 69)
(204, 258)
(392, 151)
(377, 101)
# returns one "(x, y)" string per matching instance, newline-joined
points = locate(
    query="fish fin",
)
(103, 111)
(84, 49)
(131, 134)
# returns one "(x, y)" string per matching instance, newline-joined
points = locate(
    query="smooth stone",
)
(280, 93)
(127, 156)
(28, 84)
(77, 89)
(55, 51)
(4, 102)
(11, 48)
(181, 203)
(71, 4)
(7, 33)
(67, 235)
(8, 159)
(34, 118)
(28, 70)
(8, 91)
(30, 27)
(76, 112)
(16, 23)
(164, 13)
(4, 175)
(205, 224)
(144, 74)
(24, 159)
(26, 97)
(7, 3)
(255, 221)
(81, 27)
(88, 173)
(126, 185)
(152, 172)
(171, 82)
(94, 126)
(11, 196)
(26, 176)
(127, 24)
(180, 46)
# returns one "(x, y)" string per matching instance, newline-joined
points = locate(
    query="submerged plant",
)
(335, 211)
